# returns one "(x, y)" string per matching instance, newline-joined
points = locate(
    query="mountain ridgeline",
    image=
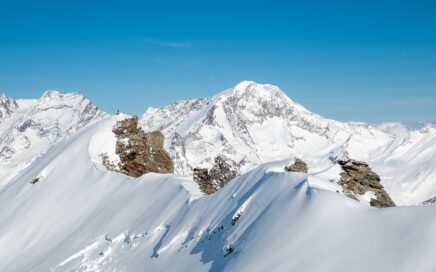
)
(245, 126)
(247, 180)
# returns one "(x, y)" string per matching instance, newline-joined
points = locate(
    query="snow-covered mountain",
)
(28, 128)
(81, 217)
(63, 210)
(256, 123)
(250, 124)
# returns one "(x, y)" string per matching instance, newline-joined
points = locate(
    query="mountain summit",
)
(254, 123)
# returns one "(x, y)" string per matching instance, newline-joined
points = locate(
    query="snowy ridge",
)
(255, 123)
(96, 220)
(29, 128)
(250, 124)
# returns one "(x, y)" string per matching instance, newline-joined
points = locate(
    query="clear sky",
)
(367, 61)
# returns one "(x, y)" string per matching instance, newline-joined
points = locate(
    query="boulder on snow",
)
(358, 178)
(140, 152)
(210, 181)
(298, 166)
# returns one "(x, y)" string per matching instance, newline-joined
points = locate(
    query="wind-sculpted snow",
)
(30, 127)
(252, 124)
(81, 217)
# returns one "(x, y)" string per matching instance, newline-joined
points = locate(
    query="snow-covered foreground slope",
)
(28, 128)
(252, 124)
(81, 217)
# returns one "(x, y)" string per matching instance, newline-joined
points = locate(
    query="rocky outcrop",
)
(298, 166)
(431, 201)
(218, 176)
(7, 106)
(205, 181)
(35, 180)
(358, 178)
(223, 171)
(108, 163)
(140, 152)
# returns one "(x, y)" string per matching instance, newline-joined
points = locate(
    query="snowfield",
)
(81, 217)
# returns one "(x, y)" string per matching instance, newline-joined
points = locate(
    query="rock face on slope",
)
(358, 178)
(217, 177)
(7, 106)
(298, 166)
(205, 181)
(431, 201)
(140, 152)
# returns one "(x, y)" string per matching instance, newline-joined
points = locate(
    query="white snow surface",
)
(255, 123)
(81, 217)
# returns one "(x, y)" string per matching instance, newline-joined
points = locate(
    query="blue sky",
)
(367, 61)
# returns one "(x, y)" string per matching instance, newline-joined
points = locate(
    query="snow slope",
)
(253, 123)
(28, 128)
(80, 217)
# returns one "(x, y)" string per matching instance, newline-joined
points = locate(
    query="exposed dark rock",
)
(358, 178)
(210, 181)
(223, 171)
(236, 218)
(298, 166)
(106, 161)
(431, 201)
(140, 152)
(35, 180)
(205, 181)
(229, 250)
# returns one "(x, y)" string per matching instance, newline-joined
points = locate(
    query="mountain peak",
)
(252, 86)
(249, 90)
(243, 85)
(4, 98)
(50, 94)
(56, 95)
(36, 125)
